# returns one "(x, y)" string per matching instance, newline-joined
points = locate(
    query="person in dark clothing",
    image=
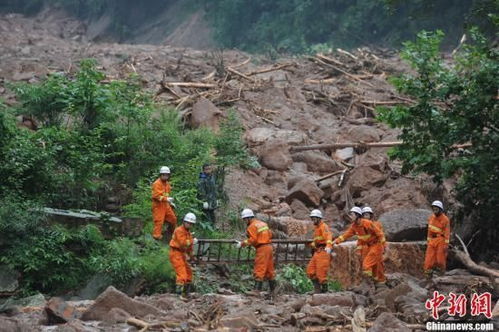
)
(207, 192)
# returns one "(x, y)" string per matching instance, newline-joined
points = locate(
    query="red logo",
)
(434, 303)
(481, 304)
(457, 304)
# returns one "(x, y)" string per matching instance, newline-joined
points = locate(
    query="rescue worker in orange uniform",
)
(438, 240)
(162, 204)
(379, 269)
(322, 244)
(260, 237)
(181, 251)
(368, 235)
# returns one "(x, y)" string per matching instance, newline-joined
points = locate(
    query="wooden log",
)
(267, 70)
(466, 260)
(191, 85)
(335, 146)
(235, 72)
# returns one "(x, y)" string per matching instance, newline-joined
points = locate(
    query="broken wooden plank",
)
(192, 85)
(267, 70)
(335, 146)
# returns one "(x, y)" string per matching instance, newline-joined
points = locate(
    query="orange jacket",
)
(322, 236)
(160, 191)
(182, 240)
(439, 227)
(258, 233)
(367, 233)
(360, 243)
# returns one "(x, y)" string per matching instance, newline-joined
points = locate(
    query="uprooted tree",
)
(456, 104)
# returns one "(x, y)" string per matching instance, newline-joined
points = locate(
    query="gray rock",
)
(37, 300)
(96, 285)
(405, 224)
(387, 322)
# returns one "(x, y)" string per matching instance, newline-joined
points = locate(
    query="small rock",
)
(316, 161)
(113, 298)
(344, 154)
(239, 322)
(275, 155)
(387, 322)
(205, 114)
(344, 299)
(59, 312)
(306, 191)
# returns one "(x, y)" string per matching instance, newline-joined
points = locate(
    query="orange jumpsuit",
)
(318, 267)
(260, 237)
(161, 209)
(181, 246)
(370, 236)
(438, 241)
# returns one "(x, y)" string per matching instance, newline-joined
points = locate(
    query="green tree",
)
(456, 103)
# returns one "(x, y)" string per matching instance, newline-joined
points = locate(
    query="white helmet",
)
(316, 213)
(367, 209)
(357, 210)
(247, 213)
(164, 170)
(438, 204)
(190, 218)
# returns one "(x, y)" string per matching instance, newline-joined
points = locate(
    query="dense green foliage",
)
(455, 104)
(296, 26)
(95, 138)
(294, 276)
(54, 259)
(304, 25)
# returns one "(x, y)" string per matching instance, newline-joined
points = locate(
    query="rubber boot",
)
(258, 288)
(185, 293)
(317, 286)
(324, 287)
(272, 286)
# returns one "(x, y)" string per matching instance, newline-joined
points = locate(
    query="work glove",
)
(239, 244)
(206, 205)
(195, 241)
(328, 250)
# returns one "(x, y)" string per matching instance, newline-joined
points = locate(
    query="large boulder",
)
(299, 209)
(260, 135)
(316, 161)
(113, 298)
(403, 257)
(387, 322)
(275, 155)
(363, 178)
(59, 311)
(306, 191)
(205, 114)
(364, 133)
(405, 224)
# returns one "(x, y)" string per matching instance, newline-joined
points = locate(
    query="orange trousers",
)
(264, 263)
(318, 267)
(378, 270)
(372, 262)
(162, 212)
(182, 268)
(436, 254)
